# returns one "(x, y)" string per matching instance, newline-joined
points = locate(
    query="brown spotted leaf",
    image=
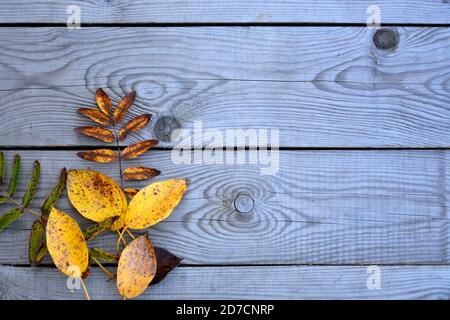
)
(166, 262)
(95, 196)
(99, 155)
(136, 268)
(96, 116)
(123, 107)
(134, 125)
(66, 244)
(103, 101)
(96, 132)
(135, 150)
(140, 173)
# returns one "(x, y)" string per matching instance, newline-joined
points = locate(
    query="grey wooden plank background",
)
(322, 87)
(241, 283)
(230, 11)
(322, 207)
(326, 215)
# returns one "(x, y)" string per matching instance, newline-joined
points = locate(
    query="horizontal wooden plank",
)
(241, 283)
(321, 87)
(321, 207)
(231, 11)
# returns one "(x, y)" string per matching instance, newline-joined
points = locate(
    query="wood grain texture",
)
(216, 11)
(241, 283)
(321, 87)
(322, 207)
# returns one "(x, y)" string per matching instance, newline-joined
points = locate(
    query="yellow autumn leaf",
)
(136, 268)
(66, 244)
(94, 195)
(154, 203)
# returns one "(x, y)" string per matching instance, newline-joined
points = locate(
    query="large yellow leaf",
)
(154, 203)
(137, 267)
(66, 244)
(95, 196)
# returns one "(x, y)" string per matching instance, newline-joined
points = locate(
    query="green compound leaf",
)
(14, 176)
(36, 241)
(9, 217)
(2, 167)
(55, 193)
(95, 229)
(103, 255)
(32, 185)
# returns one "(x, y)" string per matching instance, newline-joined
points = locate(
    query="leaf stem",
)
(19, 204)
(118, 241)
(85, 289)
(130, 234)
(106, 271)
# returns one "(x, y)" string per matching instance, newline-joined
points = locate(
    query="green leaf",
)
(3, 199)
(94, 230)
(55, 193)
(32, 185)
(36, 241)
(41, 254)
(14, 176)
(2, 167)
(10, 217)
(102, 255)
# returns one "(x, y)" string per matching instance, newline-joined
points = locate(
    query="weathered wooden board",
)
(321, 87)
(322, 207)
(211, 11)
(241, 283)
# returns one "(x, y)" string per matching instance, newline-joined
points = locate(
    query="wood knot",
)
(385, 39)
(164, 128)
(244, 203)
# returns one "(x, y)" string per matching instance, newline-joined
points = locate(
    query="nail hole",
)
(244, 203)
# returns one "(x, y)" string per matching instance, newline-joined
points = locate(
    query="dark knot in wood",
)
(244, 203)
(165, 126)
(385, 39)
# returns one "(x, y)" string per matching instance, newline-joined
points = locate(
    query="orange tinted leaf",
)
(96, 132)
(135, 150)
(123, 107)
(134, 125)
(136, 268)
(103, 101)
(96, 116)
(99, 155)
(140, 173)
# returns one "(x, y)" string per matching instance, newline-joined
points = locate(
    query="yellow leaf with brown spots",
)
(103, 101)
(66, 244)
(95, 196)
(99, 155)
(96, 116)
(140, 173)
(135, 150)
(134, 125)
(96, 132)
(123, 107)
(154, 203)
(136, 268)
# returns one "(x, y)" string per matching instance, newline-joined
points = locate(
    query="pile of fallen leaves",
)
(100, 199)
